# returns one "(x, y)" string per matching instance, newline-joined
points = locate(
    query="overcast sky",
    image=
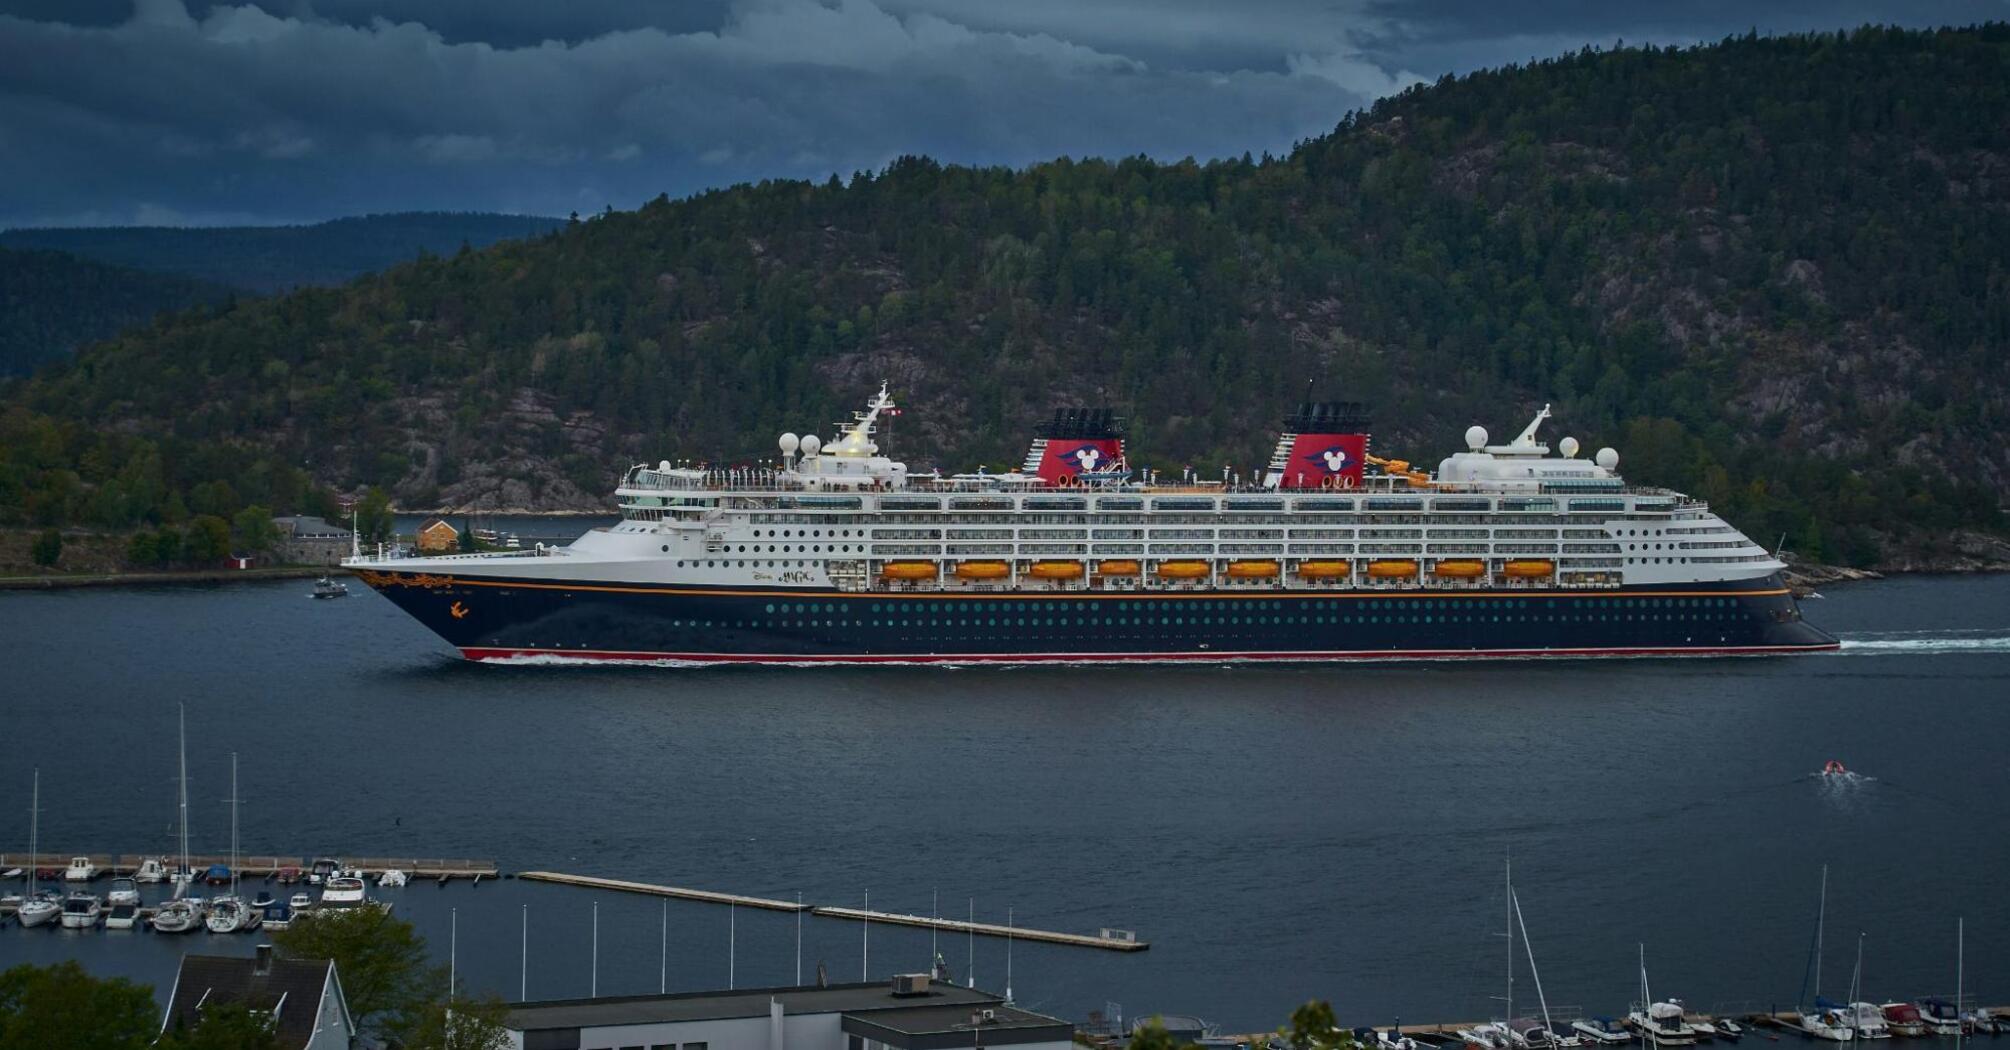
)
(186, 112)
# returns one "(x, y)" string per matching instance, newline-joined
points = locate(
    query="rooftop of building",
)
(746, 1002)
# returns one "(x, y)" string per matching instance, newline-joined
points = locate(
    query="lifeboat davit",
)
(1324, 570)
(1117, 568)
(982, 570)
(909, 570)
(1528, 569)
(1182, 570)
(1392, 570)
(1459, 570)
(1252, 570)
(1055, 570)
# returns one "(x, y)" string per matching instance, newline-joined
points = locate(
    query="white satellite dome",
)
(663, 466)
(1476, 438)
(811, 443)
(1608, 458)
(789, 444)
(1568, 446)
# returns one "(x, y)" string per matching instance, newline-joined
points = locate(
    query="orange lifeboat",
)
(982, 570)
(1392, 570)
(1117, 568)
(1324, 570)
(908, 570)
(1252, 570)
(1182, 570)
(1055, 570)
(1528, 569)
(1459, 570)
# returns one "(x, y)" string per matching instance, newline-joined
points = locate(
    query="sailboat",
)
(1526, 1032)
(229, 913)
(1865, 1019)
(1663, 1023)
(1825, 1020)
(37, 906)
(183, 914)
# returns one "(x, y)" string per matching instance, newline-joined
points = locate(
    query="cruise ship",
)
(835, 553)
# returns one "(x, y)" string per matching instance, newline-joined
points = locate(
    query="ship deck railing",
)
(727, 483)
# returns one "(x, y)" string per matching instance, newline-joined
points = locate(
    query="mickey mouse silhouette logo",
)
(1087, 457)
(1333, 460)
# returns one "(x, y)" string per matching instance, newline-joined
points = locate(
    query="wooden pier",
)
(652, 889)
(259, 865)
(1112, 940)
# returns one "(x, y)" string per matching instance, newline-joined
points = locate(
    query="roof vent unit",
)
(905, 984)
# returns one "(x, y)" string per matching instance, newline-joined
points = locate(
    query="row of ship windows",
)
(1210, 620)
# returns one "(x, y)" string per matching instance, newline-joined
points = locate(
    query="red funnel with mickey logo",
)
(1074, 442)
(1324, 446)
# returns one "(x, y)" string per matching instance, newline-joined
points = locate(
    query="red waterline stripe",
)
(615, 655)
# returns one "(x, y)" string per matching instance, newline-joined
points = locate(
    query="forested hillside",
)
(278, 258)
(1770, 271)
(51, 302)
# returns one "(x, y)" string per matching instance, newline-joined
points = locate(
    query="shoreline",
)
(62, 581)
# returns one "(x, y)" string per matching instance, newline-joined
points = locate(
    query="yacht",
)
(180, 915)
(1664, 1023)
(124, 891)
(300, 901)
(37, 906)
(1903, 1019)
(229, 913)
(1828, 1021)
(80, 870)
(1939, 1016)
(81, 911)
(1601, 1030)
(342, 891)
(327, 588)
(151, 870)
(323, 867)
(393, 877)
(122, 916)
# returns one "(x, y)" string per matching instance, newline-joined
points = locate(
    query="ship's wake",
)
(1887, 643)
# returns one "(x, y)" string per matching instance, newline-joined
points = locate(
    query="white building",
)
(911, 1013)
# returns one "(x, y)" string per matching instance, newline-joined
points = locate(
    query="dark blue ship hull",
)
(489, 619)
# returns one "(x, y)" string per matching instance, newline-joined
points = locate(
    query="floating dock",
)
(1111, 940)
(652, 889)
(262, 864)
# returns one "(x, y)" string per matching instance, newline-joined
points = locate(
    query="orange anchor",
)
(460, 611)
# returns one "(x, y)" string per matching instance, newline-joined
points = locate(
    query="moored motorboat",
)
(288, 875)
(392, 877)
(1939, 1016)
(80, 870)
(124, 890)
(300, 901)
(1663, 1022)
(1601, 1030)
(1903, 1019)
(323, 867)
(344, 891)
(122, 916)
(151, 870)
(81, 911)
(1729, 1029)
(275, 915)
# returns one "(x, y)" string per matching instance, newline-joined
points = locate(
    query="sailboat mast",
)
(1509, 1001)
(1533, 973)
(1960, 974)
(233, 824)
(183, 800)
(1821, 924)
(34, 841)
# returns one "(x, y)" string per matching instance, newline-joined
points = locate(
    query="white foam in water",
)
(1917, 642)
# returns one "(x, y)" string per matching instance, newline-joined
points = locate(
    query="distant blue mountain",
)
(276, 258)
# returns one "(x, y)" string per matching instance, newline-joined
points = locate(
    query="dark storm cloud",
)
(304, 109)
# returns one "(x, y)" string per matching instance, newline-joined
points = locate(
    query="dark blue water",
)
(1276, 833)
